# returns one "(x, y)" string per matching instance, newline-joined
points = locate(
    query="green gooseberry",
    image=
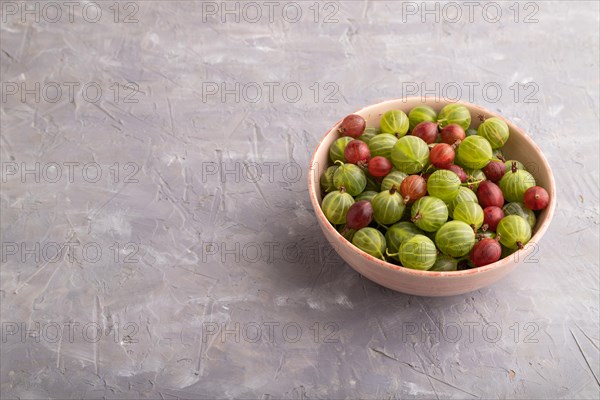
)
(429, 213)
(514, 231)
(326, 180)
(515, 183)
(394, 122)
(351, 177)
(410, 154)
(444, 263)
(335, 206)
(474, 152)
(455, 238)
(443, 184)
(388, 207)
(470, 213)
(495, 130)
(382, 144)
(371, 241)
(418, 252)
(454, 113)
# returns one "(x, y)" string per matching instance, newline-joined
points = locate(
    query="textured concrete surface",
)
(193, 267)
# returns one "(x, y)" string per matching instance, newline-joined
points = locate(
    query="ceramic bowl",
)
(425, 283)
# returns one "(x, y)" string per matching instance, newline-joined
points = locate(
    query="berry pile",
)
(427, 191)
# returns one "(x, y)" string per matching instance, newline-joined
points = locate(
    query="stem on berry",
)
(393, 189)
(485, 227)
(342, 189)
(406, 200)
(416, 217)
(391, 254)
(339, 161)
(468, 184)
(514, 167)
(520, 245)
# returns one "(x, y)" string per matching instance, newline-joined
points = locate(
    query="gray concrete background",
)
(172, 280)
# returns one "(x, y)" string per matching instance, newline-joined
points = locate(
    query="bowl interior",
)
(518, 147)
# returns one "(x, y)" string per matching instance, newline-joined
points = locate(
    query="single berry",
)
(379, 166)
(536, 198)
(485, 252)
(413, 187)
(353, 125)
(359, 215)
(427, 131)
(453, 133)
(442, 155)
(494, 171)
(491, 217)
(357, 152)
(489, 194)
(454, 113)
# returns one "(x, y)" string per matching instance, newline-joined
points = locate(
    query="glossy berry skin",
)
(536, 198)
(427, 131)
(382, 144)
(495, 131)
(455, 238)
(371, 241)
(489, 194)
(429, 213)
(442, 155)
(418, 252)
(494, 171)
(388, 207)
(357, 152)
(454, 113)
(474, 152)
(394, 122)
(379, 166)
(462, 175)
(514, 232)
(335, 206)
(353, 125)
(491, 217)
(359, 215)
(413, 187)
(515, 183)
(410, 154)
(444, 185)
(453, 133)
(351, 177)
(485, 252)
